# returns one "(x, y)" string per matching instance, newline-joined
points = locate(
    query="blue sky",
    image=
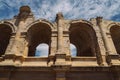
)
(42, 50)
(72, 9)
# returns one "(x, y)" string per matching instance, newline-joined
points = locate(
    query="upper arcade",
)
(97, 41)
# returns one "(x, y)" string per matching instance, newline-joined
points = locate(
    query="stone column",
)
(112, 57)
(103, 33)
(60, 55)
(53, 47)
(111, 44)
(66, 45)
(17, 43)
(60, 35)
(102, 55)
(101, 52)
(25, 53)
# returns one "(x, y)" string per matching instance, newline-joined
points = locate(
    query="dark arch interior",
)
(84, 38)
(115, 33)
(37, 34)
(5, 33)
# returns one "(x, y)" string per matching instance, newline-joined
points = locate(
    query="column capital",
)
(59, 16)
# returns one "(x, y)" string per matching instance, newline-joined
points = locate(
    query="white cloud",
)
(72, 9)
(73, 50)
(42, 50)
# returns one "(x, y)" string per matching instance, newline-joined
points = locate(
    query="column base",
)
(113, 60)
(103, 61)
(51, 60)
(11, 60)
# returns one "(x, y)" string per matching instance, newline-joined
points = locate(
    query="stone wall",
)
(97, 43)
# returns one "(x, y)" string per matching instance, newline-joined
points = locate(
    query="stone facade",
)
(97, 42)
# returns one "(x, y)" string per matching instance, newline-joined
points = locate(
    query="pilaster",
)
(14, 55)
(101, 57)
(60, 65)
(111, 55)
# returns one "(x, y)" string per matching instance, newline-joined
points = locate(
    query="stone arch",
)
(40, 21)
(110, 25)
(115, 35)
(11, 25)
(83, 36)
(37, 34)
(81, 21)
(6, 30)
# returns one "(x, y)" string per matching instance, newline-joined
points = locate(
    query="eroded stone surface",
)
(97, 42)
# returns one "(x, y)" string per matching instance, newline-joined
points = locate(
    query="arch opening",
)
(5, 34)
(84, 38)
(115, 34)
(37, 34)
(42, 50)
(73, 50)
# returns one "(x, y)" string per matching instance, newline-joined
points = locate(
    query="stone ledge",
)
(84, 59)
(36, 59)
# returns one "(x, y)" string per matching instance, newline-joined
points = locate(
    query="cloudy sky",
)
(71, 9)
(42, 50)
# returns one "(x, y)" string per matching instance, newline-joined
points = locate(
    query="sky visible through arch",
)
(71, 9)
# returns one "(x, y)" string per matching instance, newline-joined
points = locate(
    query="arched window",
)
(42, 50)
(84, 38)
(5, 33)
(37, 34)
(73, 50)
(115, 34)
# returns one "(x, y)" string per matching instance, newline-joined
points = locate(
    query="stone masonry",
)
(97, 42)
